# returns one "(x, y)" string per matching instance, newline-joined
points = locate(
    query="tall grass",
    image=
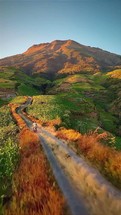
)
(105, 158)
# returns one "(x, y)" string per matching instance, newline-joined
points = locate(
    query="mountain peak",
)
(54, 45)
(63, 56)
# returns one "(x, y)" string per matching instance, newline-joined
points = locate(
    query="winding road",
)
(86, 191)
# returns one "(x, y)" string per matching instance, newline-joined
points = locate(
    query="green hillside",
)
(82, 101)
(15, 81)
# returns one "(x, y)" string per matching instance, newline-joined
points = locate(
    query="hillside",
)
(14, 82)
(63, 57)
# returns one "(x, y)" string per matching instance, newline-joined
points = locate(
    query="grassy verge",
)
(9, 154)
(9, 150)
(106, 159)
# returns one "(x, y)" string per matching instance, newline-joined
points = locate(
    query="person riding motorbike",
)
(34, 126)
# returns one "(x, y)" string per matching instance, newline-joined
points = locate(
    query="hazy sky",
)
(95, 23)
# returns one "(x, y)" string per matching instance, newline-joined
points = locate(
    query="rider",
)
(34, 126)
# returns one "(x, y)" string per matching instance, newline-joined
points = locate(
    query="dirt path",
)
(86, 191)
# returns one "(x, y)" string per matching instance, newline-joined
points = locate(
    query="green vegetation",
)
(4, 83)
(28, 90)
(3, 102)
(15, 80)
(18, 100)
(71, 109)
(8, 152)
(82, 102)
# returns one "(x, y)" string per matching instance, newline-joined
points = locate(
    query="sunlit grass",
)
(90, 145)
(19, 100)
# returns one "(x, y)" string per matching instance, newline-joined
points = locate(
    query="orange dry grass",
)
(18, 119)
(68, 134)
(91, 146)
(52, 122)
(107, 159)
(34, 189)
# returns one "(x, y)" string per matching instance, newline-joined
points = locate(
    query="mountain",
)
(63, 57)
(85, 81)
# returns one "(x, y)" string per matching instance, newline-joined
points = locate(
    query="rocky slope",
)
(60, 57)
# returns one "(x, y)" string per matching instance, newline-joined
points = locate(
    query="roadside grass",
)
(9, 151)
(105, 158)
(9, 155)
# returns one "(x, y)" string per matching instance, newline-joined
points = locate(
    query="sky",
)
(95, 23)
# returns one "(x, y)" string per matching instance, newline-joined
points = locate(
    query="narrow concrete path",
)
(74, 200)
